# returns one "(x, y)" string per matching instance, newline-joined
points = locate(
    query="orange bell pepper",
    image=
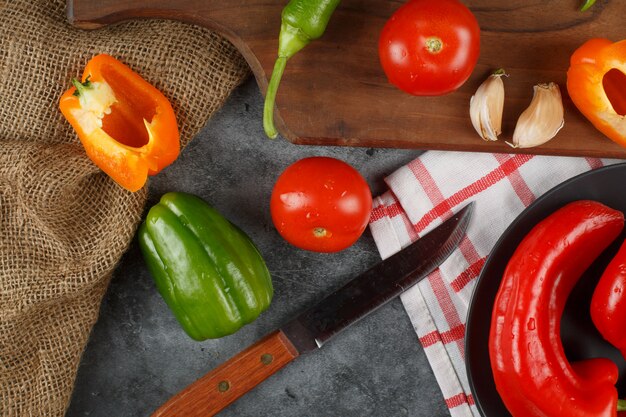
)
(127, 126)
(596, 83)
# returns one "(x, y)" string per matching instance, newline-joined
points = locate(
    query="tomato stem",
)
(320, 232)
(434, 45)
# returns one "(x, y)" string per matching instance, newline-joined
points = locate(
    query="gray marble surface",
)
(138, 356)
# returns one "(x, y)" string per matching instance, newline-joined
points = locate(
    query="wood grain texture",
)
(226, 383)
(334, 92)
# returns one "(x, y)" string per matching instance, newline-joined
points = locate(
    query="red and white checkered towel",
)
(423, 194)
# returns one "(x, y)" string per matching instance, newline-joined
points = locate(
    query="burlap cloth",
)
(63, 224)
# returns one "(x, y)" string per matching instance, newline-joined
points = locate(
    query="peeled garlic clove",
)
(486, 106)
(542, 120)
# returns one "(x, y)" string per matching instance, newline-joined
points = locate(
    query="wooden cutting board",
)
(334, 92)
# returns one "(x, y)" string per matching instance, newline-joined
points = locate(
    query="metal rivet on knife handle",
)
(223, 386)
(266, 359)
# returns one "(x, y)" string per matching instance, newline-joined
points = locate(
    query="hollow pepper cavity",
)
(127, 127)
(301, 22)
(531, 373)
(596, 83)
(207, 270)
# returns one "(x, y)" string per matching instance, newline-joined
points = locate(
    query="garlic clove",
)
(486, 107)
(542, 120)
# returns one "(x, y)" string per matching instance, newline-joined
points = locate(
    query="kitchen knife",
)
(311, 329)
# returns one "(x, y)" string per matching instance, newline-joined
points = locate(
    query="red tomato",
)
(429, 47)
(321, 204)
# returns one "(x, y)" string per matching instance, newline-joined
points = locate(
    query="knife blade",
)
(314, 327)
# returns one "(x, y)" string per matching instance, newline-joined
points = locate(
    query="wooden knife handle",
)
(229, 381)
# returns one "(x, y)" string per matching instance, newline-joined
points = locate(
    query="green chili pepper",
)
(587, 5)
(302, 22)
(207, 270)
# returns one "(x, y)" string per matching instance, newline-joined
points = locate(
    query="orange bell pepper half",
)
(127, 127)
(596, 82)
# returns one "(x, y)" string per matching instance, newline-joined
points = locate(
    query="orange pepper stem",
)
(621, 405)
(81, 87)
(587, 5)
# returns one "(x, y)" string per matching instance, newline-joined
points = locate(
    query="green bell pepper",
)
(208, 271)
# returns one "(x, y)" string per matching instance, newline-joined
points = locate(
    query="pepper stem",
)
(290, 41)
(587, 5)
(81, 87)
(621, 405)
(270, 97)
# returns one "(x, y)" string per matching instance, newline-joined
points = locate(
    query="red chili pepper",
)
(608, 307)
(608, 304)
(531, 372)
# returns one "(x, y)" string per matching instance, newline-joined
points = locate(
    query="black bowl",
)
(580, 337)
